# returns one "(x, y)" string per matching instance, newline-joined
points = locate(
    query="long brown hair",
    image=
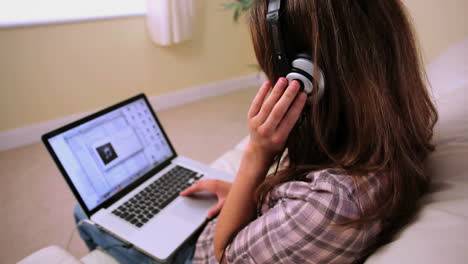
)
(376, 115)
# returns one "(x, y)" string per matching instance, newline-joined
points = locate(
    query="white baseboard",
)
(204, 91)
(31, 134)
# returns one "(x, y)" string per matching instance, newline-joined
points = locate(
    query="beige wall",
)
(47, 72)
(438, 23)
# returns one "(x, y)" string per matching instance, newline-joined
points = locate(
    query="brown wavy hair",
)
(376, 115)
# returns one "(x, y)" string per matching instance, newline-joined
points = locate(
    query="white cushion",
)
(449, 71)
(52, 254)
(229, 161)
(439, 233)
(98, 256)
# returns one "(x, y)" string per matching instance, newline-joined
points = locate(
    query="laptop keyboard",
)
(150, 201)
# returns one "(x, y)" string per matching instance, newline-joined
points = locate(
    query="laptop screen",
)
(108, 153)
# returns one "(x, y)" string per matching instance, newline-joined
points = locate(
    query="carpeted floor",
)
(36, 204)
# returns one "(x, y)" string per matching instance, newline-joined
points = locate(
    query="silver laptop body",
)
(119, 154)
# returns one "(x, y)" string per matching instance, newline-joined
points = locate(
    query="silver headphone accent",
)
(307, 66)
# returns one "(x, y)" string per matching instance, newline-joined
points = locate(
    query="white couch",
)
(439, 234)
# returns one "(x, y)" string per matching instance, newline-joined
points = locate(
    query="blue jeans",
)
(94, 237)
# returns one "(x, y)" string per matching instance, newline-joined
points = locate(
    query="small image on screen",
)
(107, 153)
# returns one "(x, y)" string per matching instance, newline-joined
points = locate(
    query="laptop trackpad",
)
(189, 208)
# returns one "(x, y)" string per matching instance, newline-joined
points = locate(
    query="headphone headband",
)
(274, 25)
(301, 68)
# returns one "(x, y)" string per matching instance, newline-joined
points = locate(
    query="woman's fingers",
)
(272, 99)
(201, 185)
(281, 107)
(258, 100)
(221, 188)
(291, 116)
(210, 186)
(189, 190)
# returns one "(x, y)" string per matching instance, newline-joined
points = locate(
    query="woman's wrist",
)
(258, 153)
(255, 161)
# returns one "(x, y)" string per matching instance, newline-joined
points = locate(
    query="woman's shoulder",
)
(335, 181)
(311, 215)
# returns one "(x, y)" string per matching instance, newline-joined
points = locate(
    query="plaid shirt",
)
(298, 226)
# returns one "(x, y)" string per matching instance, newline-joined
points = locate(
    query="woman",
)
(354, 165)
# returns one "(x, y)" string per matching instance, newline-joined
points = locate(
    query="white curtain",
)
(170, 21)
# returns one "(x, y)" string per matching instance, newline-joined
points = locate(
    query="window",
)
(32, 12)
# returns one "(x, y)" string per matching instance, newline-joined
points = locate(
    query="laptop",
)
(125, 174)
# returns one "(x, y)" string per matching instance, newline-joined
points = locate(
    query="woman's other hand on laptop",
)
(217, 187)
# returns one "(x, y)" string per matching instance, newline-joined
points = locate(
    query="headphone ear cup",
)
(305, 82)
(302, 70)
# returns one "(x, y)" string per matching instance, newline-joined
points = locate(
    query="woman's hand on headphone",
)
(271, 118)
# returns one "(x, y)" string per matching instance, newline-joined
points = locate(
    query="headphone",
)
(301, 68)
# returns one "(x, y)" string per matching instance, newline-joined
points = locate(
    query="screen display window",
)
(106, 154)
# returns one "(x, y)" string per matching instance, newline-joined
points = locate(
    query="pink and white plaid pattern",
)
(300, 225)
